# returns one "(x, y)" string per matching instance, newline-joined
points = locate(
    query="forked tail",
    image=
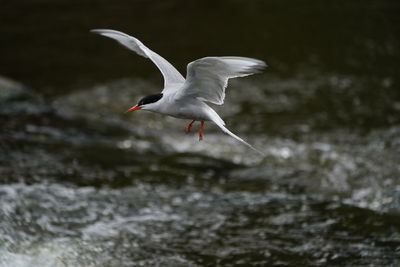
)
(221, 124)
(226, 130)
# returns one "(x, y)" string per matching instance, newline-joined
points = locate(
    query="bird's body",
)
(205, 81)
(192, 109)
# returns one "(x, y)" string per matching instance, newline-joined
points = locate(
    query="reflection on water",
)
(83, 184)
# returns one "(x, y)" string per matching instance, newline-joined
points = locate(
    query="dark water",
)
(82, 184)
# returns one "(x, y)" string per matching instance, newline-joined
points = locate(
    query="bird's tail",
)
(226, 130)
(218, 121)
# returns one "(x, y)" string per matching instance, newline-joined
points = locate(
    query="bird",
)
(206, 81)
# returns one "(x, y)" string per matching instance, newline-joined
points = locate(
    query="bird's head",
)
(149, 102)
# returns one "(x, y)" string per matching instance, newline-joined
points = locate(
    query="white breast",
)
(183, 108)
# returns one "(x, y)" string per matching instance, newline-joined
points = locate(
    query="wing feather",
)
(208, 77)
(171, 75)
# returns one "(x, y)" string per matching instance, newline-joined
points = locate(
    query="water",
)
(83, 184)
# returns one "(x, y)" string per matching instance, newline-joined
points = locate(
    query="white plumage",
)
(208, 77)
(206, 80)
(171, 75)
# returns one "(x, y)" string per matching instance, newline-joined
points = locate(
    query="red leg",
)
(201, 131)
(189, 127)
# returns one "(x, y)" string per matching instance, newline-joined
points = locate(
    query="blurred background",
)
(83, 184)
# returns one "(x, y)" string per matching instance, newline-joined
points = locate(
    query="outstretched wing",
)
(207, 77)
(171, 75)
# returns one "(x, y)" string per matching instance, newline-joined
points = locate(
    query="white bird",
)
(206, 81)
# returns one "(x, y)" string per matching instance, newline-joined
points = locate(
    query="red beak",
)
(133, 109)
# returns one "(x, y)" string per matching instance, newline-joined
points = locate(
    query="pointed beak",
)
(133, 109)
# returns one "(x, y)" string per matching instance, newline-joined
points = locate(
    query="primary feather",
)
(172, 77)
(207, 78)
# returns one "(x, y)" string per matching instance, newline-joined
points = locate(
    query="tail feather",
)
(213, 116)
(226, 130)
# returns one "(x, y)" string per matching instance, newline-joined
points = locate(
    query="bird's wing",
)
(207, 77)
(172, 77)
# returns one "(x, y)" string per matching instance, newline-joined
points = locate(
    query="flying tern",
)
(206, 81)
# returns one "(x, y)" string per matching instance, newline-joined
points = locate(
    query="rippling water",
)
(83, 184)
